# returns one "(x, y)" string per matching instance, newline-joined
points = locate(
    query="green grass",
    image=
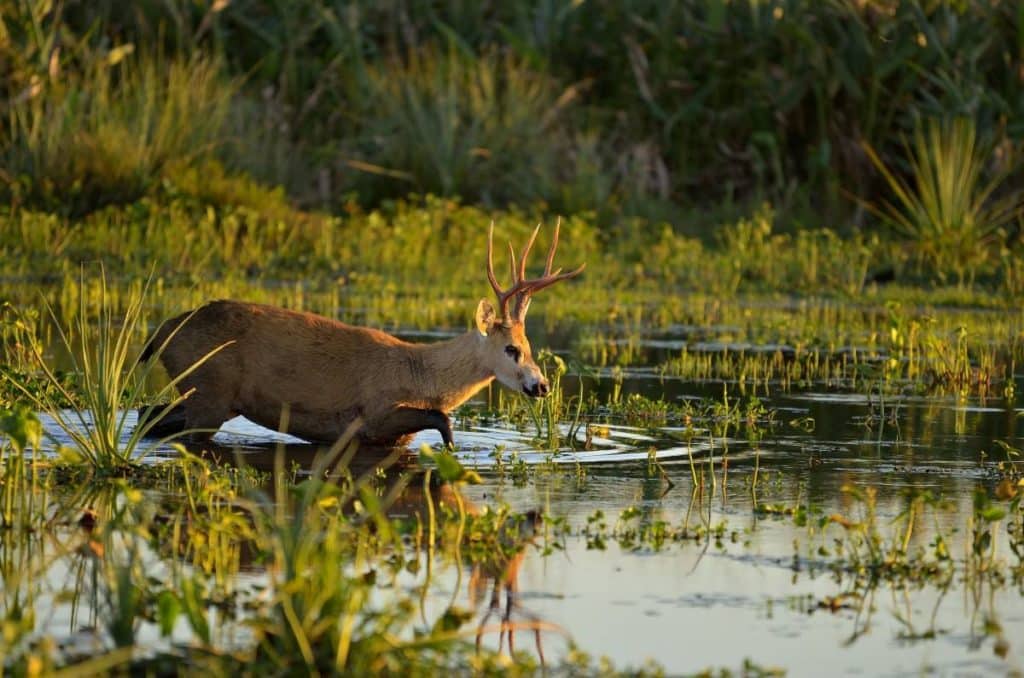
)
(167, 548)
(333, 560)
(110, 384)
(393, 269)
(452, 124)
(635, 109)
(700, 154)
(383, 260)
(111, 132)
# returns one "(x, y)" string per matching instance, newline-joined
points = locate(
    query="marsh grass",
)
(337, 596)
(706, 102)
(549, 413)
(452, 123)
(110, 132)
(330, 547)
(916, 353)
(110, 385)
(949, 210)
(374, 267)
(332, 559)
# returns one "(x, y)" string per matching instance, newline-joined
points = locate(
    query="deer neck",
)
(452, 372)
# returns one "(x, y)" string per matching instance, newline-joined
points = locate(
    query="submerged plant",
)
(948, 208)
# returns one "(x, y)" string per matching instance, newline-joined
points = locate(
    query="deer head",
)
(503, 330)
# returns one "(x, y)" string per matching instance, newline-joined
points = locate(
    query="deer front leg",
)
(404, 421)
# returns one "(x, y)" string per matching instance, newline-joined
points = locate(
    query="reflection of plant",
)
(948, 210)
(20, 433)
(325, 566)
(866, 552)
(21, 514)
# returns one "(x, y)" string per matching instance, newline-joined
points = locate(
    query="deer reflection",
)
(501, 538)
(503, 577)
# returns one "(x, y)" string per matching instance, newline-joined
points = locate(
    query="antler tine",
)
(519, 284)
(529, 287)
(526, 253)
(546, 281)
(554, 246)
(490, 261)
(516, 278)
(503, 296)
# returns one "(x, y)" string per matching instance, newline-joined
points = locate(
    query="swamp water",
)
(709, 542)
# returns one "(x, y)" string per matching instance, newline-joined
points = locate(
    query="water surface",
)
(750, 584)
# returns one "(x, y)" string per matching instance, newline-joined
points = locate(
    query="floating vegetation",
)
(911, 357)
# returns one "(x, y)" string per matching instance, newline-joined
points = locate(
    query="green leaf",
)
(195, 610)
(167, 610)
(22, 427)
(448, 467)
(452, 620)
(992, 514)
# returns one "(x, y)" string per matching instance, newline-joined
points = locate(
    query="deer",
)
(274, 365)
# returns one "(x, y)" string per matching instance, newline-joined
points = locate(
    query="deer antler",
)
(523, 289)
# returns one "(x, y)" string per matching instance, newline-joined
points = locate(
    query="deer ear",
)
(485, 317)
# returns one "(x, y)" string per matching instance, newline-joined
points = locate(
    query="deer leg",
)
(205, 414)
(173, 421)
(507, 619)
(403, 421)
(495, 605)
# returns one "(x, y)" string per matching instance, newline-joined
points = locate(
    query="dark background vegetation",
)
(636, 113)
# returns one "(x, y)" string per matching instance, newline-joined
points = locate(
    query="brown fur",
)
(326, 374)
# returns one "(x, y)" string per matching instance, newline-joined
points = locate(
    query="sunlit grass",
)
(97, 414)
(109, 133)
(950, 209)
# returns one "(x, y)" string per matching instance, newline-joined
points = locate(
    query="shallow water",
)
(761, 590)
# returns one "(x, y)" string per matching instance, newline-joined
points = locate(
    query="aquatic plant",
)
(547, 414)
(110, 385)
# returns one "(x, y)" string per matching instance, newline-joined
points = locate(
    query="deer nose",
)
(541, 389)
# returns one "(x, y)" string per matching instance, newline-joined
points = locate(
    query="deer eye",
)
(513, 352)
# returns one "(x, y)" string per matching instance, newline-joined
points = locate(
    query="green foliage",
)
(627, 108)
(950, 211)
(485, 128)
(547, 414)
(111, 384)
(449, 469)
(109, 132)
(326, 543)
(21, 426)
(20, 435)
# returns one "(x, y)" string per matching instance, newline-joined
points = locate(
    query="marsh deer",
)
(325, 374)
